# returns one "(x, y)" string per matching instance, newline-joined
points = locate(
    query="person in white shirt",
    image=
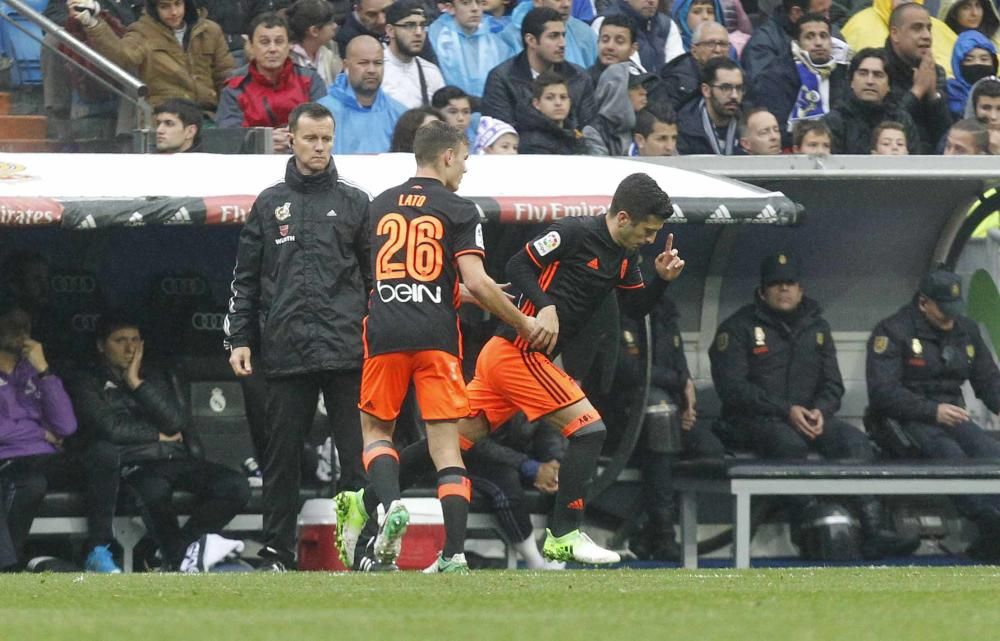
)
(408, 78)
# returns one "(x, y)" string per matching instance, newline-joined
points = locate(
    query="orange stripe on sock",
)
(375, 452)
(463, 489)
(579, 423)
(464, 444)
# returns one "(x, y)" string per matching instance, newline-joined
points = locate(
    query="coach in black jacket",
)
(775, 369)
(120, 402)
(299, 294)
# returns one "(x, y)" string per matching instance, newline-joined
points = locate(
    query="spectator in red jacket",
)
(263, 93)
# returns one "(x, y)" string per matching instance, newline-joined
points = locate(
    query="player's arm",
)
(639, 299)
(494, 300)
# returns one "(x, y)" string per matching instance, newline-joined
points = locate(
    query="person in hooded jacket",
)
(984, 104)
(177, 53)
(870, 28)
(691, 13)
(974, 58)
(620, 95)
(467, 48)
(365, 115)
(975, 15)
(774, 365)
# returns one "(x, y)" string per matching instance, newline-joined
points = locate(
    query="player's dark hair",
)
(112, 321)
(433, 139)
(645, 120)
(640, 197)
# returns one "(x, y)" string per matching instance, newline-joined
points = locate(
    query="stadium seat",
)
(76, 302)
(25, 49)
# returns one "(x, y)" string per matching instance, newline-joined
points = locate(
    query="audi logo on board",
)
(84, 323)
(79, 284)
(208, 322)
(183, 286)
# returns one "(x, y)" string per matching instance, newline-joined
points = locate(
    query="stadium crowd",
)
(621, 78)
(611, 77)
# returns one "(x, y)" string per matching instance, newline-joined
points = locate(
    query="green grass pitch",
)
(939, 604)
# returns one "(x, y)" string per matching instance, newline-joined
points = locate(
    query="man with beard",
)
(708, 125)
(853, 123)
(916, 83)
(682, 75)
(370, 18)
(407, 78)
(774, 365)
(37, 417)
(365, 115)
(581, 40)
(807, 83)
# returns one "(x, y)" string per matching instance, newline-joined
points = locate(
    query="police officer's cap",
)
(944, 288)
(780, 268)
(402, 9)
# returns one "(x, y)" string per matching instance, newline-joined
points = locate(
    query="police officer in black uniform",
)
(775, 369)
(918, 359)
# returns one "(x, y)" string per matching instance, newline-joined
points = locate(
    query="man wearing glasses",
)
(408, 78)
(709, 125)
(682, 75)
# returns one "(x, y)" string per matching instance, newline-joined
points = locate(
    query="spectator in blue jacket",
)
(35, 416)
(364, 115)
(974, 58)
(581, 41)
(466, 46)
(691, 13)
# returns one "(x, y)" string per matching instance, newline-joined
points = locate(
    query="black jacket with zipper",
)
(302, 276)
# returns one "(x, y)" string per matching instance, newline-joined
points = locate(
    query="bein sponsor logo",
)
(408, 293)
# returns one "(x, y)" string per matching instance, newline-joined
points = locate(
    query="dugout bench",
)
(743, 479)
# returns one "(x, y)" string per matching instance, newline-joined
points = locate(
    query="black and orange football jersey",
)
(419, 229)
(579, 264)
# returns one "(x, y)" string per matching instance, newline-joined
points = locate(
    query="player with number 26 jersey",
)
(419, 229)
